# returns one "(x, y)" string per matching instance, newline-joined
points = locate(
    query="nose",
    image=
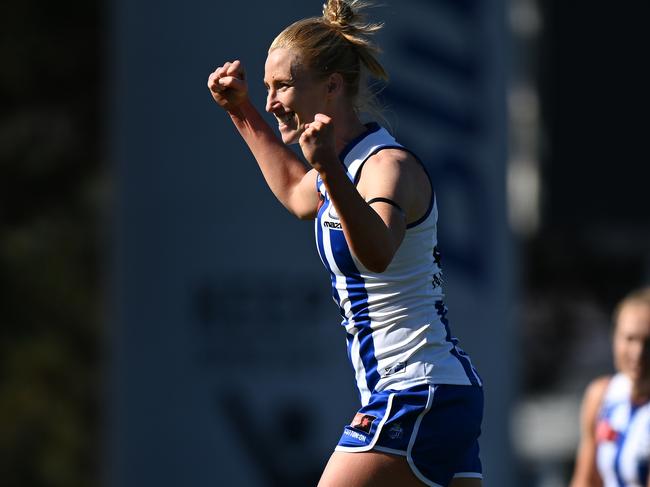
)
(271, 100)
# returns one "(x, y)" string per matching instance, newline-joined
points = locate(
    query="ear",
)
(335, 84)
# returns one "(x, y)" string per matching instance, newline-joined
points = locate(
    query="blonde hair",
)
(338, 42)
(638, 296)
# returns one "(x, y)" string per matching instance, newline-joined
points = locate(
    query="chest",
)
(623, 443)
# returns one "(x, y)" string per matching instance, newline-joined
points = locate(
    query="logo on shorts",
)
(355, 434)
(394, 369)
(395, 432)
(363, 422)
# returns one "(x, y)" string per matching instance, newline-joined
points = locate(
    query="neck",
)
(348, 127)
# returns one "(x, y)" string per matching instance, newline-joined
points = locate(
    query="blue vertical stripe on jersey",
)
(462, 358)
(349, 338)
(358, 295)
(319, 239)
(620, 441)
(367, 352)
(340, 248)
(323, 256)
(617, 459)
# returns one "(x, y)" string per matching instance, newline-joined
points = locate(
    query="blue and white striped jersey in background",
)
(397, 332)
(622, 436)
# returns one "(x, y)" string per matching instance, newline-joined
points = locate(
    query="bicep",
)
(398, 176)
(393, 218)
(392, 184)
(382, 187)
(385, 175)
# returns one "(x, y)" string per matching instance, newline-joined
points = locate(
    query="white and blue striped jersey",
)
(622, 436)
(398, 335)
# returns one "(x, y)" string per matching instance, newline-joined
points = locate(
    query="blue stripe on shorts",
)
(435, 426)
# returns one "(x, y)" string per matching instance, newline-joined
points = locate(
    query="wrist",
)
(330, 169)
(241, 111)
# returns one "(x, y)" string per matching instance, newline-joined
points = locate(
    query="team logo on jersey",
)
(394, 369)
(605, 432)
(330, 219)
(363, 422)
(334, 225)
(332, 212)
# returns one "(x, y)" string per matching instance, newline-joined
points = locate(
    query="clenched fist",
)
(228, 86)
(317, 142)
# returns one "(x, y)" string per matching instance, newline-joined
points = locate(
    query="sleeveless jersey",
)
(623, 437)
(397, 332)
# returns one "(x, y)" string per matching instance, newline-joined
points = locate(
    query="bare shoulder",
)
(397, 159)
(396, 165)
(594, 395)
(597, 387)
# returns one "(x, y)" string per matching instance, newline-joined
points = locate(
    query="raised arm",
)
(291, 182)
(585, 473)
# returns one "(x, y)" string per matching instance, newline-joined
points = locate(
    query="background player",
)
(614, 448)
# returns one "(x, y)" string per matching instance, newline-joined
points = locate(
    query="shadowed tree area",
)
(51, 214)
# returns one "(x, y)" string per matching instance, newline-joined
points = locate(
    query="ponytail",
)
(338, 42)
(346, 18)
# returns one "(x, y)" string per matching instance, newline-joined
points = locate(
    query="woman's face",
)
(632, 341)
(294, 97)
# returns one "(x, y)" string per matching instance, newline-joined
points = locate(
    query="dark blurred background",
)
(588, 245)
(53, 238)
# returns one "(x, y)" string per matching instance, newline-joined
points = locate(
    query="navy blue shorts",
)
(436, 427)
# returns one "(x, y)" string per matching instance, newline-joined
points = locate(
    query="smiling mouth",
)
(285, 118)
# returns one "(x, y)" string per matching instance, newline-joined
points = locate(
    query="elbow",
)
(377, 268)
(299, 212)
(303, 215)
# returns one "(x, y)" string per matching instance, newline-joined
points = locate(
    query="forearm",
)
(281, 168)
(366, 233)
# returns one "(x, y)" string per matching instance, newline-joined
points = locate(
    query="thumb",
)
(231, 82)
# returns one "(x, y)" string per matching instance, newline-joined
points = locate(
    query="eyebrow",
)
(280, 79)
